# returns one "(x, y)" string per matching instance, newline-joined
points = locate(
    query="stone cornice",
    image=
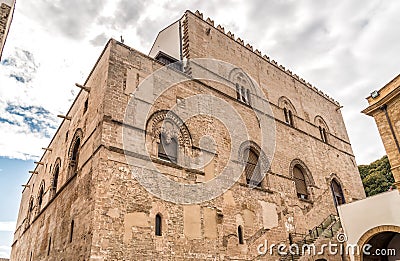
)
(385, 100)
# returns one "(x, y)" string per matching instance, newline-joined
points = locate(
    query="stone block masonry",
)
(92, 206)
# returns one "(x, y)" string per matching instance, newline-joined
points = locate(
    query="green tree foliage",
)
(376, 177)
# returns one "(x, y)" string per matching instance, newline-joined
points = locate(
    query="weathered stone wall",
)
(207, 230)
(73, 199)
(115, 215)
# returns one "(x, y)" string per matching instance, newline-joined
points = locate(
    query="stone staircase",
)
(327, 229)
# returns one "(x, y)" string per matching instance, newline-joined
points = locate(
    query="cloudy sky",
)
(345, 48)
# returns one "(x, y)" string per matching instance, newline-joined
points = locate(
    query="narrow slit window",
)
(49, 247)
(290, 118)
(71, 232)
(158, 225)
(238, 92)
(285, 112)
(240, 235)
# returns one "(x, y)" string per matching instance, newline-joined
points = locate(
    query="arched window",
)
(337, 193)
(30, 210)
(243, 85)
(168, 148)
(74, 157)
(40, 197)
(300, 181)
(252, 170)
(240, 235)
(323, 128)
(288, 116)
(158, 228)
(55, 179)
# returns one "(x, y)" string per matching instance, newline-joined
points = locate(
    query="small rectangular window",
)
(71, 232)
(49, 247)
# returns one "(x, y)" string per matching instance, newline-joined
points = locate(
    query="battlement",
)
(265, 57)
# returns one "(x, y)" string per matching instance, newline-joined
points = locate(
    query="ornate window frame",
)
(165, 122)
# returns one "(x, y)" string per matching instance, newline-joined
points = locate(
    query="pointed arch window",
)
(55, 180)
(300, 182)
(252, 170)
(158, 227)
(74, 158)
(40, 197)
(168, 148)
(337, 193)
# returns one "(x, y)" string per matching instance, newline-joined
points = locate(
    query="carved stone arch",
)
(335, 177)
(245, 88)
(307, 173)
(169, 123)
(237, 75)
(319, 121)
(370, 234)
(284, 102)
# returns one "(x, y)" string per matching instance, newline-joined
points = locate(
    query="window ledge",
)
(176, 166)
(257, 188)
(306, 200)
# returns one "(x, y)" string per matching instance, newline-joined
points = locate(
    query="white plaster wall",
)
(360, 216)
(168, 41)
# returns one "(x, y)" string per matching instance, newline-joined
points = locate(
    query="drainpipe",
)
(384, 108)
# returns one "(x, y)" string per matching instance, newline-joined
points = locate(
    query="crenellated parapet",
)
(265, 57)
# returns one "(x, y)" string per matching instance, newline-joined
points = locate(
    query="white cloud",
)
(7, 226)
(345, 48)
(5, 251)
